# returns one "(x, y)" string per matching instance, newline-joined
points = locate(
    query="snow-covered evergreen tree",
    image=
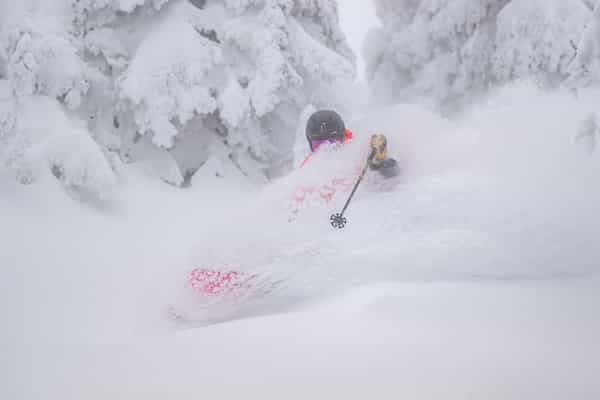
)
(448, 50)
(585, 72)
(538, 38)
(45, 83)
(585, 68)
(234, 75)
(438, 49)
(174, 82)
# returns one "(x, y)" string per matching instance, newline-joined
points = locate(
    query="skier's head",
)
(325, 126)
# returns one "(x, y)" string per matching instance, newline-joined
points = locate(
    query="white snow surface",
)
(476, 276)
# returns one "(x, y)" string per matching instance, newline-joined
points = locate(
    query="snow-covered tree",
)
(537, 38)
(585, 72)
(448, 50)
(438, 49)
(230, 72)
(585, 68)
(45, 82)
(177, 81)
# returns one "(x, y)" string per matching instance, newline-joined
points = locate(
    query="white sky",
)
(357, 17)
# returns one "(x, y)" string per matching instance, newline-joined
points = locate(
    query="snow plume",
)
(500, 192)
(432, 269)
(443, 51)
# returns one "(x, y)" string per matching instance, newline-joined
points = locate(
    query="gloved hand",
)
(378, 145)
(379, 161)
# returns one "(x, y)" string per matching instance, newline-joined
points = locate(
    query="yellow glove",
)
(378, 145)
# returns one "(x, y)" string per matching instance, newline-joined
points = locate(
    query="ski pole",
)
(338, 221)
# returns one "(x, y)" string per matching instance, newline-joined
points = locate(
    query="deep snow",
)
(477, 276)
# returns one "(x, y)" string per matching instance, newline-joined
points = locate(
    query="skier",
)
(326, 126)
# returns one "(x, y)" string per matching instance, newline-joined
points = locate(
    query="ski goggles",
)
(315, 143)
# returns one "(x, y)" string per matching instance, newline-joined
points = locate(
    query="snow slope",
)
(476, 277)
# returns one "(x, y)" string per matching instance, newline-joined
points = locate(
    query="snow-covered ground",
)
(475, 277)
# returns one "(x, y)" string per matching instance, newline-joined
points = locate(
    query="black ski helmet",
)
(324, 125)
